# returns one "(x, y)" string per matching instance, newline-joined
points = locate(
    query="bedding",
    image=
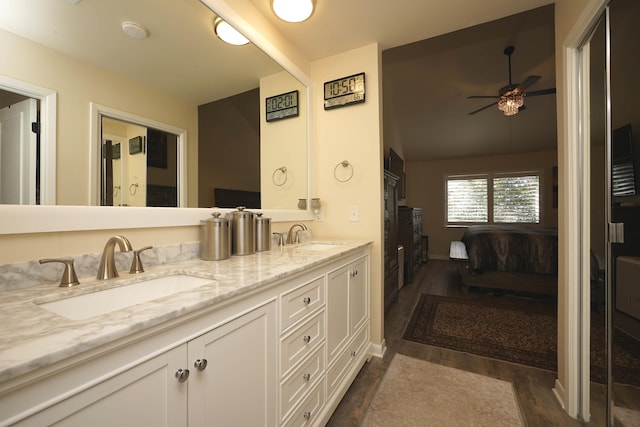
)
(509, 248)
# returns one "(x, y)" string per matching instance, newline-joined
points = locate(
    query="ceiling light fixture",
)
(135, 30)
(293, 10)
(227, 33)
(510, 104)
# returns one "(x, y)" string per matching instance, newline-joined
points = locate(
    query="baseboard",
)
(559, 393)
(378, 350)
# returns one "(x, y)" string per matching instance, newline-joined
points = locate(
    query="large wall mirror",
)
(181, 75)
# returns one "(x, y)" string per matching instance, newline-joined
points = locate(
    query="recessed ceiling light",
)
(293, 10)
(227, 33)
(134, 30)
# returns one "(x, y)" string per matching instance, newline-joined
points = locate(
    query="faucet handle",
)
(280, 238)
(69, 277)
(136, 263)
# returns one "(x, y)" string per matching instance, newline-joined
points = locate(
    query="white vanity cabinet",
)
(347, 320)
(224, 377)
(283, 354)
(237, 384)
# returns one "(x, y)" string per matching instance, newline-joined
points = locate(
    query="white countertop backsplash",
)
(33, 337)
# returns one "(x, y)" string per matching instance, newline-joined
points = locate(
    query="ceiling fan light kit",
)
(510, 98)
(510, 104)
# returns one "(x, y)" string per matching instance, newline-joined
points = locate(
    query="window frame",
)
(489, 177)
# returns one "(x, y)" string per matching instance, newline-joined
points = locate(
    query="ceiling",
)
(425, 83)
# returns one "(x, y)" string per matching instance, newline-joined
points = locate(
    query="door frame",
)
(572, 387)
(48, 136)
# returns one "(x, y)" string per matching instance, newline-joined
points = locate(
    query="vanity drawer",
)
(301, 302)
(344, 362)
(300, 381)
(301, 342)
(308, 411)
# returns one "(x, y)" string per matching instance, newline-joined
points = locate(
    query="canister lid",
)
(260, 218)
(216, 218)
(241, 212)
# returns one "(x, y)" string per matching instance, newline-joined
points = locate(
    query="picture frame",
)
(115, 151)
(135, 145)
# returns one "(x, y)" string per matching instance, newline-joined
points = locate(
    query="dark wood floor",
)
(533, 387)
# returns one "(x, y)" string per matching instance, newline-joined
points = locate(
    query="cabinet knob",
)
(200, 364)
(306, 377)
(306, 339)
(306, 300)
(353, 354)
(182, 375)
(307, 415)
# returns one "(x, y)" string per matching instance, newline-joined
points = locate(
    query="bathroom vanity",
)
(274, 338)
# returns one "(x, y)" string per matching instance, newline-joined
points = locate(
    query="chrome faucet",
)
(291, 237)
(107, 269)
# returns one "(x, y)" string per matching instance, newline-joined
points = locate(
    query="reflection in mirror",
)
(624, 255)
(19, 149)
(180, 66)
(139, 165)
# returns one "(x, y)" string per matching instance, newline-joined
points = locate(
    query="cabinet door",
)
(147, 394)
(238, 386)
(337, 311)
(358, 295)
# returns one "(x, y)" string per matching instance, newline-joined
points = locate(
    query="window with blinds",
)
(493, 198)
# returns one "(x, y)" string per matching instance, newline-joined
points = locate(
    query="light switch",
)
(353, 214)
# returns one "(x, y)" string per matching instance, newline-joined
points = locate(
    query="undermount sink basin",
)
(101, 302)
(320, 246)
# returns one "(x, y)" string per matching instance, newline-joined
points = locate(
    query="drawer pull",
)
(307, 415)
(353, 354)
(200, 364)
(306, 377)
(306, 339)
(306, 300)
(182, 375)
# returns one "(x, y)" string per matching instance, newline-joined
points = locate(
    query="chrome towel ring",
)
(279, 176)
(348, 175)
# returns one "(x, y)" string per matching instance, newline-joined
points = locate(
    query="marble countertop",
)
(32, 337)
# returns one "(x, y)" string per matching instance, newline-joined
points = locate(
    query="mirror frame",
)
(20, 219)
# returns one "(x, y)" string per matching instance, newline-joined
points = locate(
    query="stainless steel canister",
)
(263, 233)
(215, 238)
(243, 230)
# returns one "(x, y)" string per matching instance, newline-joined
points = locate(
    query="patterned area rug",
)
(418, 393)
(518, 331)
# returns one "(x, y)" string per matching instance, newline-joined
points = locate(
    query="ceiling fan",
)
(510, 98)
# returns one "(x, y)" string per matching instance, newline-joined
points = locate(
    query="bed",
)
(508, 257)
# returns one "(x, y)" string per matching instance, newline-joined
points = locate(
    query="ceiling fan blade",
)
(542, 92)
(525, 84)
(482, 96)
(483, 108)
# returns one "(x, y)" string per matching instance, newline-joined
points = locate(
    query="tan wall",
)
(426, 190)
(77, 85)
(351, 133)
(283, 144)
